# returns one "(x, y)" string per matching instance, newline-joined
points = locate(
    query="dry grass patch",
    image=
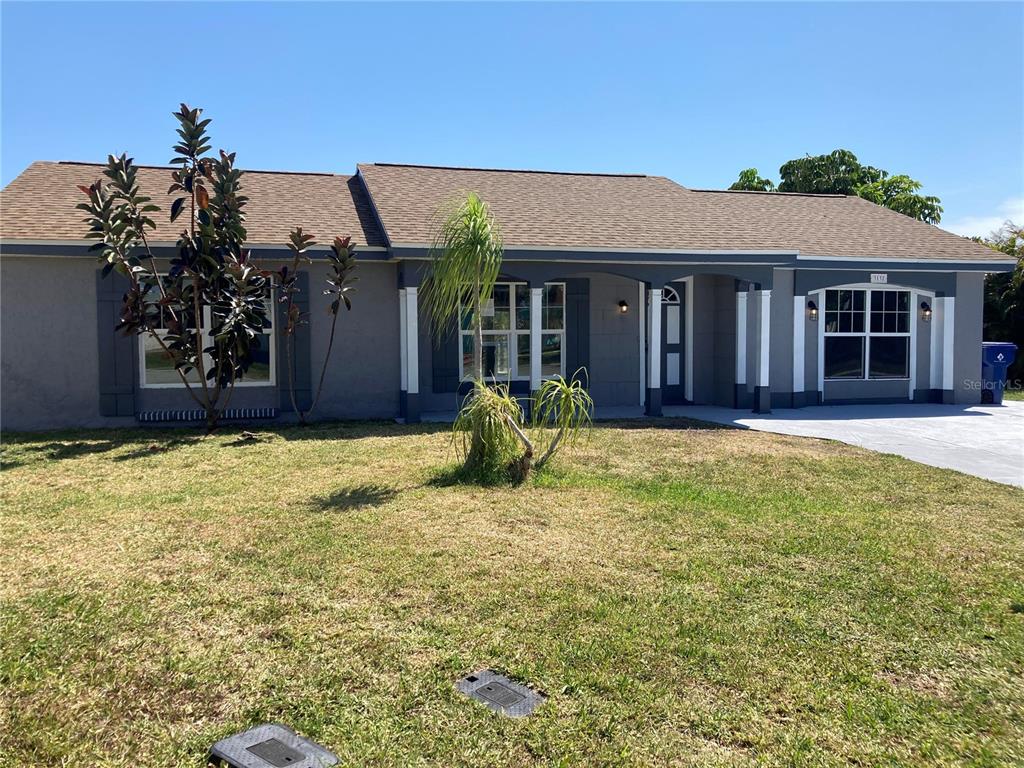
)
(685, 596)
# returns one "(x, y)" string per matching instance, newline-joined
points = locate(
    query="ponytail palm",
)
(465, 261)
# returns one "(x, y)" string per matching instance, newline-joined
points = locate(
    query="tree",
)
(749, 180)
(837, 173)
(341, 261)
(1004, 295)
(841, 173)
(465, 262)
(207, 310)
(899, 193)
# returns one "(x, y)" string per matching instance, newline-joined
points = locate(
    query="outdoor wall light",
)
(926, 311)
(812, 311)
(623, 307)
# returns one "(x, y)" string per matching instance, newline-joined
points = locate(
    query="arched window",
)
(670, 295)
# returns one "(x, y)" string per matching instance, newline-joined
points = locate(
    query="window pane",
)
(831, 300)
(496, 359)
(844, 357)
(553, 319)
(831, 322)
(259, 368)
(903, 301)
(876, 301)
(159, 367)
(858, 301)
(845, 322)
(467, 354)
(903, 322)
(890, 301)
(497, 313)
(890, 357)
(522, 307)
(553, 306)
(877, 324)
(846, 300)
(523, 354)
(551, 354)
(858, 322)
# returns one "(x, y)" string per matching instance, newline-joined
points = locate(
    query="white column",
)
(536, 296)
(947, 342)
(403, 341)
(799, 325)
(763, 363)
(641, 302)
(654, 348)
(741, 337)
(688, 383)
(412, 347)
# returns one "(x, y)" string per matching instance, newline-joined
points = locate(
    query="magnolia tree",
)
(207, 309)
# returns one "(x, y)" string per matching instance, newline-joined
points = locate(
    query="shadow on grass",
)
(357, 497)
(662, 422)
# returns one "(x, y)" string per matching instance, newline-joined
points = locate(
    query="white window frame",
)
(867, 333)
(207, 360)
(513, 335)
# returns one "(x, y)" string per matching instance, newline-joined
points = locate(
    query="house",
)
(665, 295)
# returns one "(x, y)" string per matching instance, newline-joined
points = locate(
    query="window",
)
(869, 325)
(506, 330)
(157, 369)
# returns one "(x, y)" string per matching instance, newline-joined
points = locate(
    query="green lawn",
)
(1013, 394)
(684, 596)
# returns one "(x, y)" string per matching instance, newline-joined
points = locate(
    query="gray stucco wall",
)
(724, 342)
(614, 342)
(970, 304)
(48, 366)
(362, 381)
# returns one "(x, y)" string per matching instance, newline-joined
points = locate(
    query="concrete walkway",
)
(982, 440)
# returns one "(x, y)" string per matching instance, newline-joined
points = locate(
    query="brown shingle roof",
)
(579, 211)
(40, 204)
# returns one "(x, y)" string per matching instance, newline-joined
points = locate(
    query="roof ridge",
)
(174, 167)
(509, 170)
(771, 192)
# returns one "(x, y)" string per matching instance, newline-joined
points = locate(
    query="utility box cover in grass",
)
(270, 746)
(500, 693)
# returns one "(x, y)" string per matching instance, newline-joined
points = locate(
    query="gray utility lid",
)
(270, 746)
(500, 693)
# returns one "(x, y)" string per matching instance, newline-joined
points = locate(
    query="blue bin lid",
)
(998, 352)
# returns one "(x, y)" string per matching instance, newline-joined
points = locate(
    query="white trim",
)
(874, 287)
(654, 354)
(412, 341)
(763, 359)
(642, 335)
(948, 335)
(172, 244)
(688, 330)
(612, 249)
(403, 342)
(536, 298)
(513, 333)
(208, 360)
(820, 301)
(799, 331)
(741, 337)
(867, 334)
(883, 260)
(914, 312)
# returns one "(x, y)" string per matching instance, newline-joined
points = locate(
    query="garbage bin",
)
(996, 357)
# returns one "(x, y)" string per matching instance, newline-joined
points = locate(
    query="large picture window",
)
(157, 369)
(506, 331)
(867, 334)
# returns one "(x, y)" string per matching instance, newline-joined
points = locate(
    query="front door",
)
(672, 390)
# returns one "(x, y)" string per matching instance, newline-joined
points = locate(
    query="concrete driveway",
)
(982, 440)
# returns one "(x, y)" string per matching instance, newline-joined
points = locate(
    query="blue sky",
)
(694, 92)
